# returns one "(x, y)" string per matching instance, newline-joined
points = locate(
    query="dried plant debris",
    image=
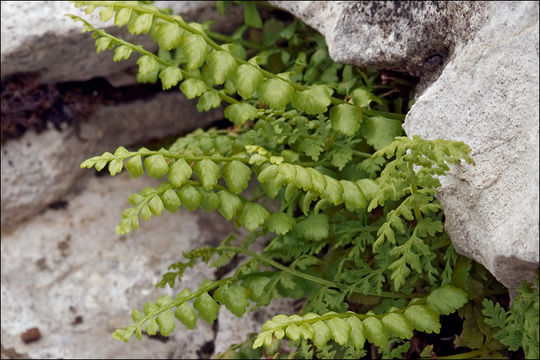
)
(31, 335)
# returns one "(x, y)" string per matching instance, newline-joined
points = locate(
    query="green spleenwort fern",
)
(420, 314)
(519, 326)
(357, 221)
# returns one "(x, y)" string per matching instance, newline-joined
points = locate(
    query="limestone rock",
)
(488, 96)
(67, 273)
(479, 67)
(414, 37)
(38, 37)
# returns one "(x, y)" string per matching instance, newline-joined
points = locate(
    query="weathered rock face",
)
(485, 94)
(414, 37)
(67, 273)
(85, 280)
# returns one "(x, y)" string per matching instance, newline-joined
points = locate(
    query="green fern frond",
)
(354, 329)
(354, 222)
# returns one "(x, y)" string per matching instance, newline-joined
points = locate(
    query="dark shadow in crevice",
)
(28, 104)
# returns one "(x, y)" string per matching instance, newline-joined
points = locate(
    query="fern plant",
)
(519, 326)
(346, 201)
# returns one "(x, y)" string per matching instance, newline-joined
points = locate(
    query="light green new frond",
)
(147, 201)
(353, 196)
(195, 50)
(179, 173)
(247, 80)
(446, 300)
(170, 200)
(423, 318)
(140, 24)
(354, 329)
(208, 100)
(169, 35)
(210, 200)
(276, 93)
(253, 216)
(134, 166)
(222, 66)
(122, 52)
(102, 43)
(376, 332)
(147, 64)
(208, 172)
(193, 88)
(363, 97)
(346, 119)
(314, 100)
(230, 204)
(122, 17)
(170, 76)
(189, 197)
(397, 325)
(160, 315)
(280, 223)
(236, 175)
(240, 113)
(207, 307)
(234, 297)
(156, 166)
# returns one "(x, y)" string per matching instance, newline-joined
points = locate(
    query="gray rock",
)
(414, 37)
(38, 37)
(479, 68)
(38, 169)
(488, 96)
(67, 273)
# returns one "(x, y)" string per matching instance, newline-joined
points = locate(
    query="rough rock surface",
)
(85, 279)
(488, 96)
(414, 37)
(38, 169)
(479, 62)
(38, 37)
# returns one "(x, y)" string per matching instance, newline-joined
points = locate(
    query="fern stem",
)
(175, 303)
(197, 158)
(226, 38)
(385, 114)
(357, 228)
(315, 279)
(467, 355)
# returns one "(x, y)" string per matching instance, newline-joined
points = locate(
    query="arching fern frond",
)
(354, 329)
